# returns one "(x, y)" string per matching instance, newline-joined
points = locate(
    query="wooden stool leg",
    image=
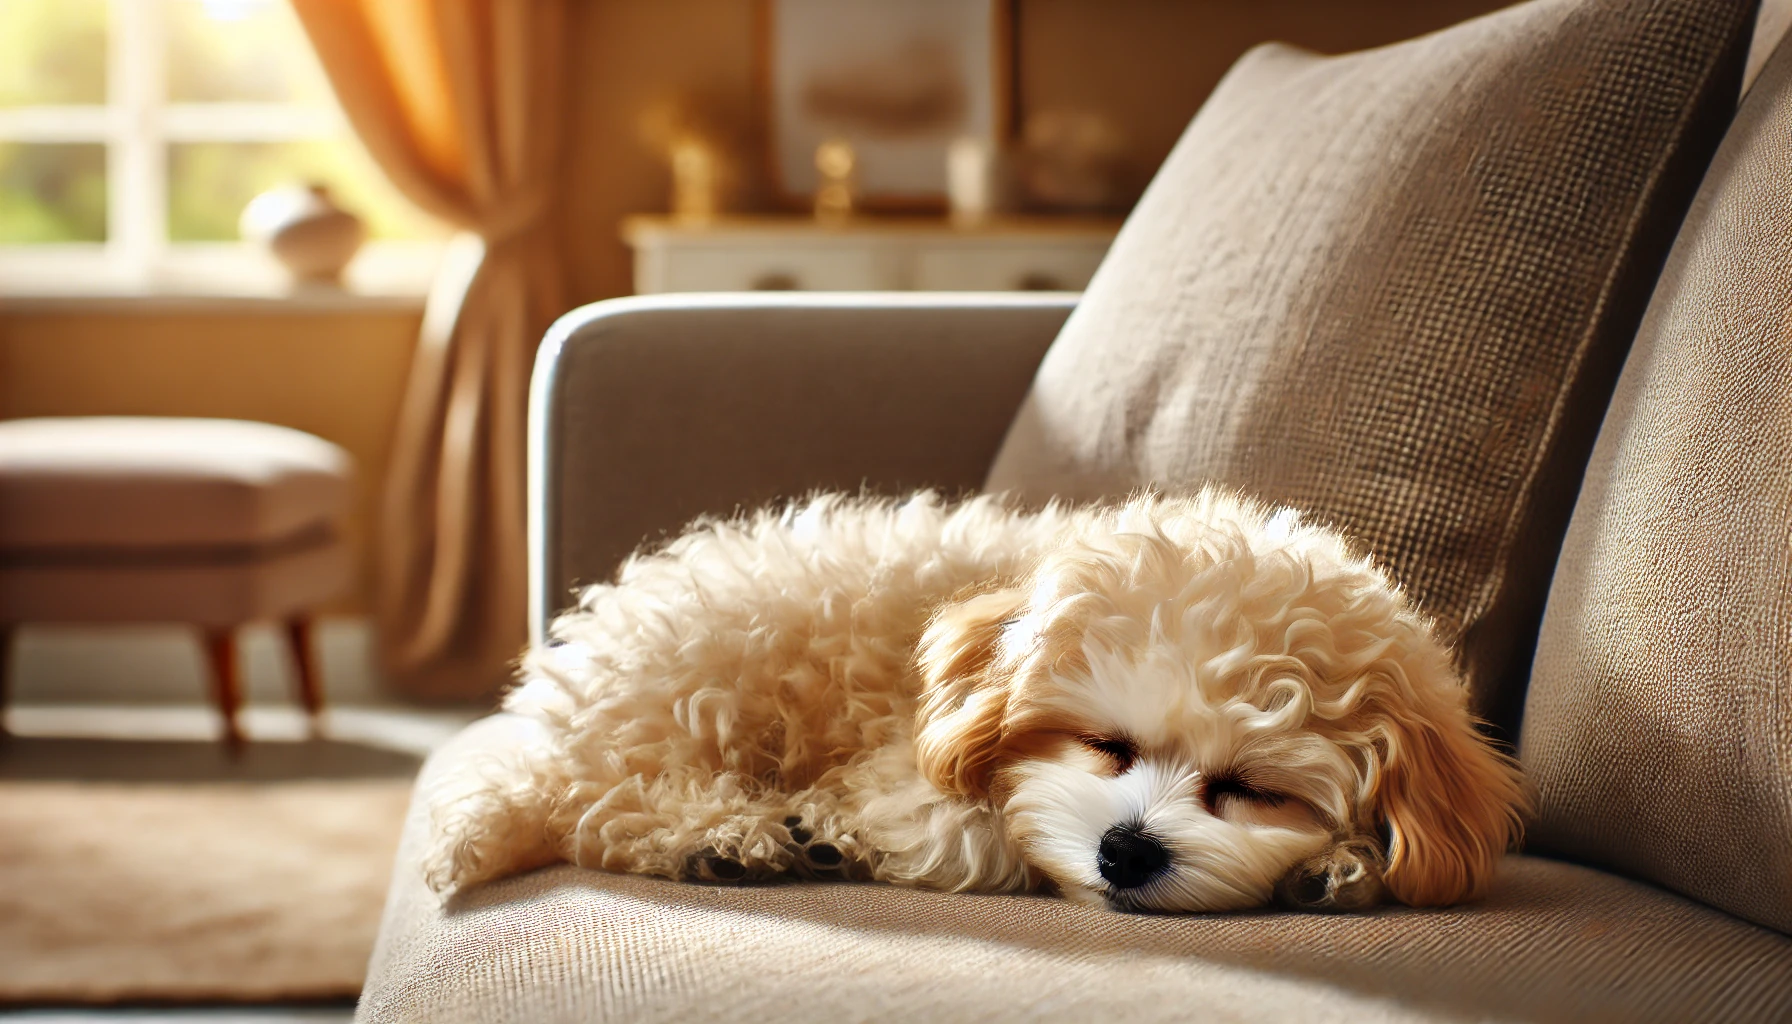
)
(6, 632)
(304, 655)
(227, 690)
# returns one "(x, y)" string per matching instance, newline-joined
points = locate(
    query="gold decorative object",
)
(837, 193)
(696, 180)
(698, 135)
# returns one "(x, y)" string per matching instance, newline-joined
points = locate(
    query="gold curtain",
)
(460, 102)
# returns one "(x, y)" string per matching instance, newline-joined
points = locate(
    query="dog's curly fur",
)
(970, 697)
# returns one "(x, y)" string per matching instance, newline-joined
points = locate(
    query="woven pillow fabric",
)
(1658, 727)
(1395, 288)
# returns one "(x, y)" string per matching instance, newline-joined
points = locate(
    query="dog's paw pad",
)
(825, 855)
(727, 869)
(1309, 890)
(713, 867)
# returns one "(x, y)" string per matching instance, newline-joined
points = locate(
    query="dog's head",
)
(1195, 705)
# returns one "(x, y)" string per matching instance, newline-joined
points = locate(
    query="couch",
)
(1623, 604)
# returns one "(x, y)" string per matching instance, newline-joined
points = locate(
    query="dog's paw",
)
(766, 852)
(816, 858)
(1342, 879)
(719, 867)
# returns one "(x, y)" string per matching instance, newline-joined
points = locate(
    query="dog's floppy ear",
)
(1450, 803)
(965, 693)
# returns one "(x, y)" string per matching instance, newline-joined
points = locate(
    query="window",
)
(133, 132)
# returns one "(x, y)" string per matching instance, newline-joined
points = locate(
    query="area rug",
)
(192, 891)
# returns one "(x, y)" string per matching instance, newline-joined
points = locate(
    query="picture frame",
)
(899, 81)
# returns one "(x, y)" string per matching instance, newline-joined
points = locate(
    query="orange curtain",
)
(459, 101)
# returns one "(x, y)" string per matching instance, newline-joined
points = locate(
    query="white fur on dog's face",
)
(1243, 691)
(1236, 795)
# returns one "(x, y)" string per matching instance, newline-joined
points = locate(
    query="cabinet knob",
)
(775, 281)
(1038, 281)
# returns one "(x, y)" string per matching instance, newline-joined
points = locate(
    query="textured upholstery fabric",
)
(1658, 727)
(1395, 288)
(216, 591)
(652, 411)
(1554, 942)
(104, 482)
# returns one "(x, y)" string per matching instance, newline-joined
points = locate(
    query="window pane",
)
(52, 51)
(52, 192)
(209, 183)
(240, 51)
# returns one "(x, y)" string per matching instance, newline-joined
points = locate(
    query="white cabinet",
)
(870, 254)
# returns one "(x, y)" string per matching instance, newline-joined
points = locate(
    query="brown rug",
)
(192, 891)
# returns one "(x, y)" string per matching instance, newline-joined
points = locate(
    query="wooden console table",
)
(866, 254)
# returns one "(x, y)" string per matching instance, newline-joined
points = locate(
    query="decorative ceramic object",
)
(305, 230)
(971, 182)
(837, 194)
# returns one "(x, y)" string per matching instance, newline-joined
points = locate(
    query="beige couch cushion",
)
(1395, 287)
(1659, 722)
(148, 482)
(1554, 942)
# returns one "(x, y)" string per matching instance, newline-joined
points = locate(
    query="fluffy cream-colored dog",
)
(1171, 704)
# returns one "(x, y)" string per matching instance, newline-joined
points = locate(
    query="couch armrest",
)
(647, 412)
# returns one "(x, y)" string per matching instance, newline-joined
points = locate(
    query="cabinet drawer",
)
(996, 268)
(702, 269)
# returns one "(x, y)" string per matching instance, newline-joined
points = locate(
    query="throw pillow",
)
(1395, 288)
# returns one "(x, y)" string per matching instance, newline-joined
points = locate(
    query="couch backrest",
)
(1658, 725)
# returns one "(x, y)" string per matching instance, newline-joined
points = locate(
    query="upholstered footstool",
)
(215, 523)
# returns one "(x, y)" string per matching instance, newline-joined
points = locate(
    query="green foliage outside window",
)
(52, 192)
(52, 52)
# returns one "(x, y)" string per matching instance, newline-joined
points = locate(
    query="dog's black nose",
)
(1129, 856)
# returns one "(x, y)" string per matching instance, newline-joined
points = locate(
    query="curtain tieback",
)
(510, 217)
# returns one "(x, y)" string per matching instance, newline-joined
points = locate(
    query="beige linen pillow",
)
(1658, 728)
(1394, 288)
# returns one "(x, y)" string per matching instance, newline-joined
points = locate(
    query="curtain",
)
(459, 102)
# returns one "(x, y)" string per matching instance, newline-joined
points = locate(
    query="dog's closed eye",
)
(1223, 787)
(1122, 752)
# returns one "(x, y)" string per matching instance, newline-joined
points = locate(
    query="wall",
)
(1145, 65)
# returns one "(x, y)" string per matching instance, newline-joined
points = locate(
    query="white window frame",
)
(136, 126)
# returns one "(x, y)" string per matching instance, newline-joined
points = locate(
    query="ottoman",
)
(214, 523)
